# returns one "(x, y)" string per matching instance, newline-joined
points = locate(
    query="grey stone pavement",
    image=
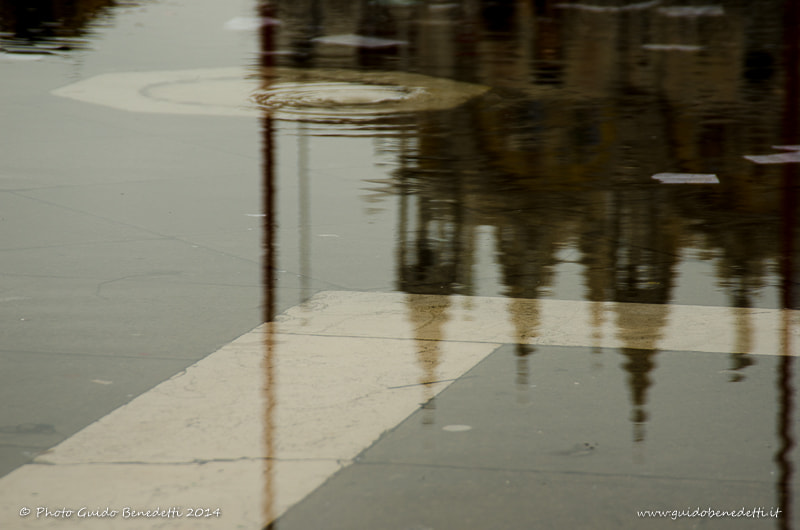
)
(553, 446)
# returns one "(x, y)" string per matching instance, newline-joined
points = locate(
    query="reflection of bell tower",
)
(430, 262)
(741, 358)
(526, 318)
(433, 258)
(640, 353)
(435, 235)
(428, 315)
(644, 255)
(526, 258)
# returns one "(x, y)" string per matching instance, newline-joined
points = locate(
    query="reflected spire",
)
(640, 331)
(428, 315)
(741, 357)
(525, 315)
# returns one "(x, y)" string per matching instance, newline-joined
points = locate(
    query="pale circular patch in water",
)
(324, 101)
(327, 95)
(315, 95)
(205, 92)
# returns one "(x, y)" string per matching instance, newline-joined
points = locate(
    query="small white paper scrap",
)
(792, 156)
(686, 178)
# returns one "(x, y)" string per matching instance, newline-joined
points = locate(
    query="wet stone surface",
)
(174, 174)
(510, 469)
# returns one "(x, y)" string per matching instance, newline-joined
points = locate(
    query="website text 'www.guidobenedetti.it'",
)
(711, 513)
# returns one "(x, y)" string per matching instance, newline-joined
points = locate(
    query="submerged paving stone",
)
(395, 401)
(520, 467)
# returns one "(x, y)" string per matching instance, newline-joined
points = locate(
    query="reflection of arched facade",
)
(585, 107)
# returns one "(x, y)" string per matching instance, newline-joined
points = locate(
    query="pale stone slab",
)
(281, 411)
(332, 396)
(238, 489)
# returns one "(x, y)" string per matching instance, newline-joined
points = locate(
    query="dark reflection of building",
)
(56, 25)
(587, 105)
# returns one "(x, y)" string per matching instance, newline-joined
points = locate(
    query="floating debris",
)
(686, 178)
(778, 158)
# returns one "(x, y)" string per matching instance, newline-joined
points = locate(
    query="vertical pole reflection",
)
(266, 10)
(268, 282)
(791, 133)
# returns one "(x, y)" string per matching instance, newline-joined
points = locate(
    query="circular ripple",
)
(333, 101)
(364, 99)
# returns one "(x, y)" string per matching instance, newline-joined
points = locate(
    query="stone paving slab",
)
(562, 451)
(255, 427)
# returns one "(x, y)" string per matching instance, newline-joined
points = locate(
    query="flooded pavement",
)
(399, 264)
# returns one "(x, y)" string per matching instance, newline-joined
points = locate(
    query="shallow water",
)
(175, 173)
(551, 175)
